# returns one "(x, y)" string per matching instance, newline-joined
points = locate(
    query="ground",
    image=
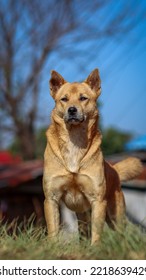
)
(27, 241)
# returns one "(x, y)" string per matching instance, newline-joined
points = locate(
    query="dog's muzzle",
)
(73, 116)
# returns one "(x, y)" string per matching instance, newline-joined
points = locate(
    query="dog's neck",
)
(74, 141)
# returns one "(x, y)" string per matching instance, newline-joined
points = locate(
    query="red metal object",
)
(8, 158)
(13, 171)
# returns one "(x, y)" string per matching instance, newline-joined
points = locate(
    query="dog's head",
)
(75, 102)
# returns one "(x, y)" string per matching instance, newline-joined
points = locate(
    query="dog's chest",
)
(73, 150)
(72, 156)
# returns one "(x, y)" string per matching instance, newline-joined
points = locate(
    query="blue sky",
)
(125, 106)
(122, 66)
(124, 94)
(120, 58)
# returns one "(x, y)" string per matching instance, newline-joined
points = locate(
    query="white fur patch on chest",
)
(72, 157)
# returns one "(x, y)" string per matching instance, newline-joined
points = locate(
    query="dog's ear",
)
(94, 82)
(55, 82)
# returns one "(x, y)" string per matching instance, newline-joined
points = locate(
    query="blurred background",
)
(73, 38)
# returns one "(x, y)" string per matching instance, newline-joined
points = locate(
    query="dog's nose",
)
(72, 110)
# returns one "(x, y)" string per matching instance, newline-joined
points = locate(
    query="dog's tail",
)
(128, 169)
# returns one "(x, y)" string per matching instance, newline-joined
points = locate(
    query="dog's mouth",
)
(74, 119)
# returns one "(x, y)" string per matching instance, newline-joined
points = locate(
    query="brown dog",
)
(74, 168)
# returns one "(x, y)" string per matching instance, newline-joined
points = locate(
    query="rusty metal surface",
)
(13, 174)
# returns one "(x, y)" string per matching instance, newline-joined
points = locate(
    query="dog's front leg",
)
(98, 215)
(51, 209)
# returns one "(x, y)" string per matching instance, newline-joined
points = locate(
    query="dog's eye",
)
(83, 98)
(64, 99)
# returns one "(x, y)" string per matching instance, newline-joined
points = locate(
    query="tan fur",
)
(74, 168)
(128, 169)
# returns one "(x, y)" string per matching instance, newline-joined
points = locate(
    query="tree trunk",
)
(27, 141)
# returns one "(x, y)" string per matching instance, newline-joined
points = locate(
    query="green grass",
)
(27, 241)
